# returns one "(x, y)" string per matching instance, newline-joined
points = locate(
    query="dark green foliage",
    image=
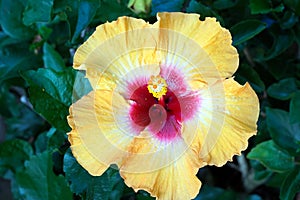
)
(283, 133)
(52, 59)
(30, 14)
(11, 19)
(284, 89)
(107, 186)
(295, 108)
(15, 57)
(272, 157)
(246, 73)
(37, 85)
(166, 6)
(204, 11)
(293, 5)
(264, 6)
(51, 94)
(246, 30)
(38, 181)
(290, 186)
(21, 151)
(86, 12)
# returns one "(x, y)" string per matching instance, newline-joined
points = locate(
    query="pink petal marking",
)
(164, 116)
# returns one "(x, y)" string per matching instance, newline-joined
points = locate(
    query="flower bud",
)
(140, 6)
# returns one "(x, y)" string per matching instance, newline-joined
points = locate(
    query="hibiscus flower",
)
(163, 103)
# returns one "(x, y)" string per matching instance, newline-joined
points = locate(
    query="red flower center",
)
(162, 116)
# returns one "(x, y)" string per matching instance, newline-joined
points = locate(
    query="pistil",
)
(157, 86)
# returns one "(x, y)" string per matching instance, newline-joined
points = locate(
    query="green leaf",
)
(52, 59)
(37, 11)
(297, 39)
(295, 108)
(13, 108)
(283, 133)
(24, 124)
(103, 187)
(41, 143)
(289, 20)
(11, 20)
(75, 174)
(112, 9)
(49, 140)
(6, 40)
(5, 99)
(204, 11)
(15, 189)
(245, 73)
(142, 195)
(56, 139)
(107, 186)
(215, 193)
(276, 179)
(283, 90)
(13, 153)
(264, 7)
(51, 94)
(224, 4)
(82, 86)
(51, 109)
(254, 197)
(166, 6)
(38, 180)
(260, 6)
(45, 32)
(272, 157)
(61, 32)
(281, 42)
(260, 171)
(281, 68)
(15, 58)
(246, 30)
(19, 119)
(67, 14)
(87, 11)
(294, 5)
(58, 159)
(59, 85)
(279, 8)
(290, 186)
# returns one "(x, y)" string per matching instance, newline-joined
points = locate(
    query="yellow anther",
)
(157, 86)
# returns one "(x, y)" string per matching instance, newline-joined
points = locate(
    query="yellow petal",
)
(216, 57)
(176, 180)
(100, 133)
(201, 49)
(116, 48)
(121, 52)
(227, 119)
(83, 156)
(103, 33)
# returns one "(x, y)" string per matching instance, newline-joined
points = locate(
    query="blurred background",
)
(38, 39)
